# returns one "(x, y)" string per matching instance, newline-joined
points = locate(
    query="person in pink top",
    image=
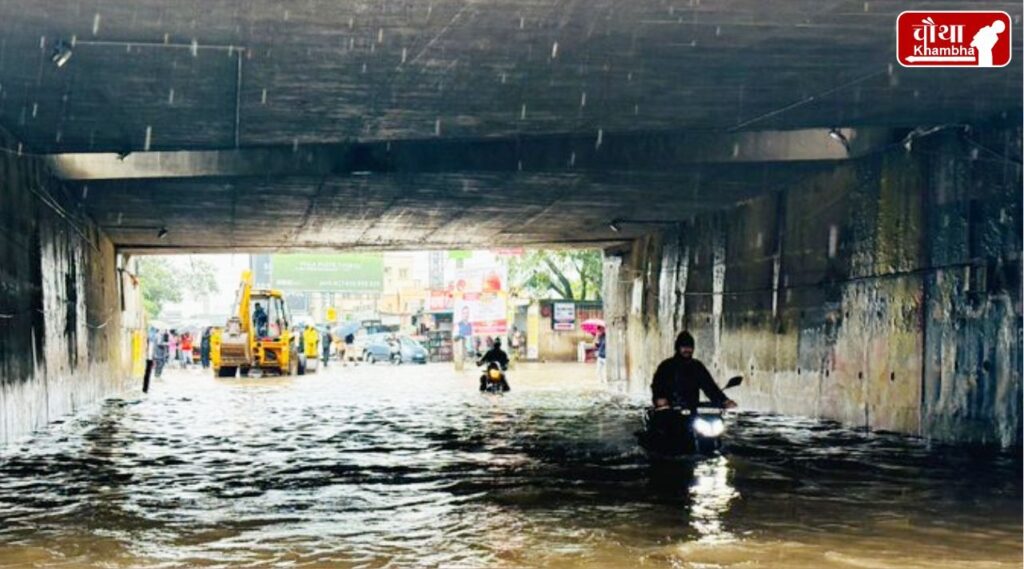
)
(172, 346)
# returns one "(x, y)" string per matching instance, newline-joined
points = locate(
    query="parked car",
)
(400, 349)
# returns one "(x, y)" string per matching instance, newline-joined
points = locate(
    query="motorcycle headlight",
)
(708, 427)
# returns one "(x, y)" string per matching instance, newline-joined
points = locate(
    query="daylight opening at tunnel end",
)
(437, 283)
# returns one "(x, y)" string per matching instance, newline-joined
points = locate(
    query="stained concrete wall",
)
(66, 311)
(884, 294)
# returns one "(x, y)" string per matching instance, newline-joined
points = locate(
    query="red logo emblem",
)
(953, 39)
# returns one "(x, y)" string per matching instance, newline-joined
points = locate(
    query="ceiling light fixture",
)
(834, 134)
(616, 224)
(61, 53)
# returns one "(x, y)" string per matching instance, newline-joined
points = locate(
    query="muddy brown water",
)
(409, 466)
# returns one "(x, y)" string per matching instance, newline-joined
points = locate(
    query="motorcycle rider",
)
(679, 380)
(497, 356)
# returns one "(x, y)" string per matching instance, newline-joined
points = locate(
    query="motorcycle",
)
(676, 432)
(493, 379)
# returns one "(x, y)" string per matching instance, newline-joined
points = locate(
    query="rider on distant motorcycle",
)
(680, 379)
(496, 356)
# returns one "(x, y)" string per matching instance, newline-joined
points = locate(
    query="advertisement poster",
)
(487, 279)
(440, 301)
(563, 316)
(346, 272)
(480, 314)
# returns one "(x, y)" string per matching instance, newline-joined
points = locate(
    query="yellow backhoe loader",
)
(256, 339)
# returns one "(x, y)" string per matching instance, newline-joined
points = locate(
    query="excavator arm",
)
(242, 301)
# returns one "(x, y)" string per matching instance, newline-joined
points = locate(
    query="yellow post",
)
(459, 354)
(138, 353)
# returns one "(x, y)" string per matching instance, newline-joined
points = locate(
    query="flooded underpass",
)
(384, 466)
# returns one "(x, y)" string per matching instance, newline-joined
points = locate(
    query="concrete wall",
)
(65, 337)
(885, 294)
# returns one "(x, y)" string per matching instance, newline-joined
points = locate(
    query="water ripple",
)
(392, 467)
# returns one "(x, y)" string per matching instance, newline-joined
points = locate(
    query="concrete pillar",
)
(615, 296)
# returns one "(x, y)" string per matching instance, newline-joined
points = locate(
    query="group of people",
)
(678, 380)
(177, 349)
(344, 347)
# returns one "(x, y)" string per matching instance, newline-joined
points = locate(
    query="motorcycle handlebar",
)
(687, 409)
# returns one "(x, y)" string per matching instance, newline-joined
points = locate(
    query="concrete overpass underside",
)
(844, 231)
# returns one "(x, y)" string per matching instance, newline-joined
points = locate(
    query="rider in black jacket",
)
(497, 356)
(679, 380)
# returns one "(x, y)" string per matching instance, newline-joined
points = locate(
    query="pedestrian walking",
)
(151, 340)
(186, 349)
(350, 352)
(172, 346)
(325, 345)
(465, 330)
(161, 351)
(204, 348)
(513, 342)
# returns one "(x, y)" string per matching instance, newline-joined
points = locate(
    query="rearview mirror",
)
(734, 381)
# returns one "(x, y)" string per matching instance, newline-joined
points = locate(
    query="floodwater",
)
(408, 466)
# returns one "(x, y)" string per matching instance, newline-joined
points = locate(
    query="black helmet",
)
(684, 340)
(497, 342)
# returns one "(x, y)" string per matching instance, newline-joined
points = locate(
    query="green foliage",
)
(568, 275)
(198, 277)
(167, 279)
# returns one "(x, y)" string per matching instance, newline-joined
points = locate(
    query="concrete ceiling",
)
(560, 74)
(404, 211)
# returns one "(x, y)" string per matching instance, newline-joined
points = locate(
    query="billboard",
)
(347, 272)
(260, 265)
(481, 314)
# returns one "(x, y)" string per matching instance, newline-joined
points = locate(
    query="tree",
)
(164, 279)
(198, 277)
(567, 275)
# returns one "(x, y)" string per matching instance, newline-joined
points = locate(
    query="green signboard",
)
(348, 272)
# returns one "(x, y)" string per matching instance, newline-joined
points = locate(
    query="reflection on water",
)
(410, 466)
(711, 495)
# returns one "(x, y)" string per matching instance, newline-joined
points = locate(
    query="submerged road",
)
(389, 466)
